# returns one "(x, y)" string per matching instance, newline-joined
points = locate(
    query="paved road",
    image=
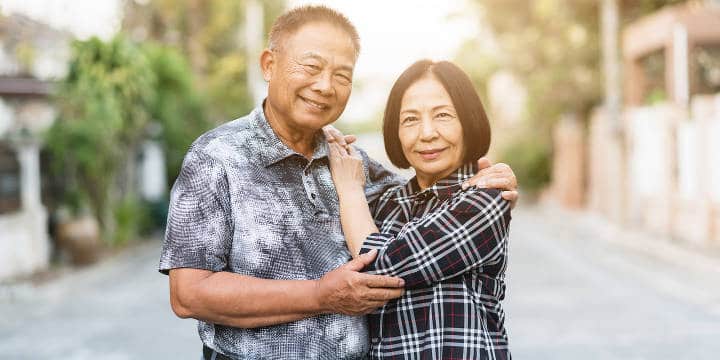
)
(577, 290)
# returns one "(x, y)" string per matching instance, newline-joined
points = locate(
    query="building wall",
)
(661, 173)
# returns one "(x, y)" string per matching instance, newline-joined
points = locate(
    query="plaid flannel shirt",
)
(450, 247)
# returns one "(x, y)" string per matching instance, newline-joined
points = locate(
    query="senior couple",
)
(289, 243)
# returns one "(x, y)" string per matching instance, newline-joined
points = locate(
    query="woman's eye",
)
(408, 120)
(444, 115)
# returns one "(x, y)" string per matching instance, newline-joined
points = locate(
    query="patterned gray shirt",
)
(246, 203)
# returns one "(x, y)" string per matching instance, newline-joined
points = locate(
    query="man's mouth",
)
(430, 154)
(314, 104)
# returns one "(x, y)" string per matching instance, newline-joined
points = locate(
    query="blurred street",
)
(577, 290)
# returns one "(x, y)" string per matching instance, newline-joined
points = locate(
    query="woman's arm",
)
(468, 231)
(346, 167)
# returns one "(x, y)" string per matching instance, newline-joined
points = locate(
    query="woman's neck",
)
(427, 180)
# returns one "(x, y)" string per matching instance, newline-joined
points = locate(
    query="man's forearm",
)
(241, 301)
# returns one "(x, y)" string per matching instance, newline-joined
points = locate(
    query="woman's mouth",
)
(431, 154)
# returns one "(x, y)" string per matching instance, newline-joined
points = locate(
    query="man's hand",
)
(334, 135)
(498, 176)
(347, 291)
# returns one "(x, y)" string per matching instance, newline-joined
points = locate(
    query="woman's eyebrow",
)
(448, 107)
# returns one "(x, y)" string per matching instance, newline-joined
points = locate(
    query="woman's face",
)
(430, 132)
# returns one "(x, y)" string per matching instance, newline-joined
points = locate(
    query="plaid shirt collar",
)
(441, 189)
(275, 150)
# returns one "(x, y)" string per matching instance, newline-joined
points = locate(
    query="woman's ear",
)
(267, 61)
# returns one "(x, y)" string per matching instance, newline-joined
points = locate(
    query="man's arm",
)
(247, 302)
(195, 254)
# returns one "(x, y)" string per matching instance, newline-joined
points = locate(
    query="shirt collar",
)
(443, 188)
(275, 150)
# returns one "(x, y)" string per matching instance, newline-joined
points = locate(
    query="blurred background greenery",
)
(176, 68)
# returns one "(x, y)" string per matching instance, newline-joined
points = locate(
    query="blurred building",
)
(655, 163)
(32, 55)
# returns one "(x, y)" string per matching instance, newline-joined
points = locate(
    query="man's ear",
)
(267, 61)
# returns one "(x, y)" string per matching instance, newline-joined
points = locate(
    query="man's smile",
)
(315, 104)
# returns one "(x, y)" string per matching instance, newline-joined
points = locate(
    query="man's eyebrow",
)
(314, 56)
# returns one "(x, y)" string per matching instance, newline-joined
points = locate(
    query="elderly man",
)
(254, 248)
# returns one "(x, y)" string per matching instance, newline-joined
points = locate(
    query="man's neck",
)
(298, 139)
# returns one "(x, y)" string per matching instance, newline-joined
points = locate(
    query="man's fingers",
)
(379, 294)
(484, 162)
(511, 196)
(361, 261)
(494, 180)
(380, 281)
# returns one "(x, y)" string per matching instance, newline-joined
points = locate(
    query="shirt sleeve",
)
(468, 230)
(199, 231)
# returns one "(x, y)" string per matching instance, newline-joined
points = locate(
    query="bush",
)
(531, 162)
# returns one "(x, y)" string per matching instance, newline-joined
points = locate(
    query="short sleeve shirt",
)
(246, 203)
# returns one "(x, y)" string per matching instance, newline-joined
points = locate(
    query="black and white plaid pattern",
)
(450, 247)
(246, 203)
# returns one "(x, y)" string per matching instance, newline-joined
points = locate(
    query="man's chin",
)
(314, 121)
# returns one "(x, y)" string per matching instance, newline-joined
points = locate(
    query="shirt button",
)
(312, 196)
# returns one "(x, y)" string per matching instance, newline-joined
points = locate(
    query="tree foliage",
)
(103, 110)
(109, 100)
(553, 47)
(209, 32)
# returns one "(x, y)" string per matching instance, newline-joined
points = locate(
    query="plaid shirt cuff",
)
(374, 241)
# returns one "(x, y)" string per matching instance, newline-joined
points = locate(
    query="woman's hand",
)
(346, 166)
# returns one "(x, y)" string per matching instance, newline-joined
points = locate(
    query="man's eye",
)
(344, 78)
(312, 67)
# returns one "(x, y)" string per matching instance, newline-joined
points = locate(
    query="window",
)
(9, 180)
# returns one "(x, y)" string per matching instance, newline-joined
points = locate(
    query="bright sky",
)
(394, 34)
(84, 18)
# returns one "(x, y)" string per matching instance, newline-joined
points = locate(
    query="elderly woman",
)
(449, 244)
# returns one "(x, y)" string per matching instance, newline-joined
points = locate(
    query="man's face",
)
(310, 76)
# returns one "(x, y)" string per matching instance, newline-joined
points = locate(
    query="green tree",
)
(177, 106)
(103, 111)
(107, 104)
(553, 47)
(209, 32)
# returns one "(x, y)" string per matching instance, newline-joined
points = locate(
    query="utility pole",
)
(254, 16)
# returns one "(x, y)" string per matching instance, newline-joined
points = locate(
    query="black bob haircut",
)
(470, 110)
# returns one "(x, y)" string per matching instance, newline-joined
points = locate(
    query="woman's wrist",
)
(345, 189)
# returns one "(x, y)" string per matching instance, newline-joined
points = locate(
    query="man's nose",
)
(323, 84)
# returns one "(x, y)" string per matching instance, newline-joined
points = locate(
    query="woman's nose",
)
(427, 129)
